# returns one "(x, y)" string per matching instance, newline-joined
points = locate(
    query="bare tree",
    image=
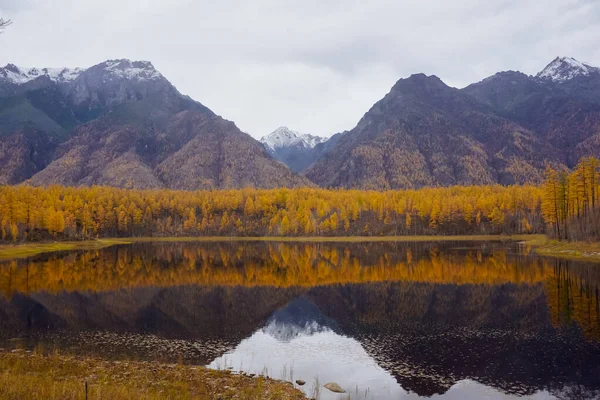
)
(4, 23)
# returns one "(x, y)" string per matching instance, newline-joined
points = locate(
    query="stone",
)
(334, 387)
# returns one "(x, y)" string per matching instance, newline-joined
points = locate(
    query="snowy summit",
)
(20, 75)
(140, 70)
(563, 69)
(284, 137)
(135, 70)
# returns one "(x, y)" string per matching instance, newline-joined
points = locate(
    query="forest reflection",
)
(571, 289)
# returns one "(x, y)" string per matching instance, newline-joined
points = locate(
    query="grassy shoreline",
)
(22, 250)
(581, 251)
(26, 375)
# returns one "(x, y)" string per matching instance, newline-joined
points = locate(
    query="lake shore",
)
(540, 243)
(581, 251)
(32, 375)
(23, 250)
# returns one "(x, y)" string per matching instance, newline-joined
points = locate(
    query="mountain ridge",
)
(296, 150)
(285, 137)
(122, 123)
(504, 129)
(564, 110)
(563, 69)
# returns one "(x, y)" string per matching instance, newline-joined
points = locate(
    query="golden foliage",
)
(28, 213)
(570, 201)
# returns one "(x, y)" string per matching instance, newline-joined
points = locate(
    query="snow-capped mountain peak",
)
(563, 69)
(21, 75)
(138, 70)
(284, 137)
(132, 70)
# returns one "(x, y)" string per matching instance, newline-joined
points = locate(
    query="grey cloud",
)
(315, 65)
(14, 5)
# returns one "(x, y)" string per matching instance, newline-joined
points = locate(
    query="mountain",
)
(296, 150)
(504, 129)
(426, 133)
(561, 105)
(122, 123)
(564, 69)
(283, 137)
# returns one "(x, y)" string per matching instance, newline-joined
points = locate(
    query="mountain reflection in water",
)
(385, 320)
(296, 345)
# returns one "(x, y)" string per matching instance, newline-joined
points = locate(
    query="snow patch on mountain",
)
(21, 75)
(133, 70)
(284, 137)
(139, 70)
(563, 69)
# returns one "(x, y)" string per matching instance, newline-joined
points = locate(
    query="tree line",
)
(571, 203)
(55, 212)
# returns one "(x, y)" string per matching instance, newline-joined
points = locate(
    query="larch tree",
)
(550, 199)
(109, 212)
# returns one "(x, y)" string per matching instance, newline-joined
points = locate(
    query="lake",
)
(385, 320)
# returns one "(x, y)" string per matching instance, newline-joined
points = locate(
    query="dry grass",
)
(11, 251)
(30, 249)
(586, 251)
(26, 375)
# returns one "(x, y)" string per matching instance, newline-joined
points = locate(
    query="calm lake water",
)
(453, 320)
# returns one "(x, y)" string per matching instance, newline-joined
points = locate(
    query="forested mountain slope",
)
(505, 129)
(121, 123)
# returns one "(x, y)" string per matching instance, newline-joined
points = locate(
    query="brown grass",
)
(25, 375)
(11, 251)
(585, 251)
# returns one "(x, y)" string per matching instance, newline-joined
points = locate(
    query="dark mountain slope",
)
(121, 123)
(426, 133)
(189, 150)
(561, 105)
(23, 153)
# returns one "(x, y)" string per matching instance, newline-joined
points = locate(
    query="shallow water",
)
(383, 320)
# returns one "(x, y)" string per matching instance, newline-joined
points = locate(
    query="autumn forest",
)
(566, 205)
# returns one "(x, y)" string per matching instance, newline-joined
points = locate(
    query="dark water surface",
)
(384, 320)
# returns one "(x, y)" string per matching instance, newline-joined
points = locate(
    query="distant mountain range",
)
(121, 123)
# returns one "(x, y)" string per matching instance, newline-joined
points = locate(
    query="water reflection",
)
(298, 343)
(319, 356)
(267, 264)
(300, 317)
(389, 320)
(432, 336)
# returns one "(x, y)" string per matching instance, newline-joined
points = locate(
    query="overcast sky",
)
(314, 65)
